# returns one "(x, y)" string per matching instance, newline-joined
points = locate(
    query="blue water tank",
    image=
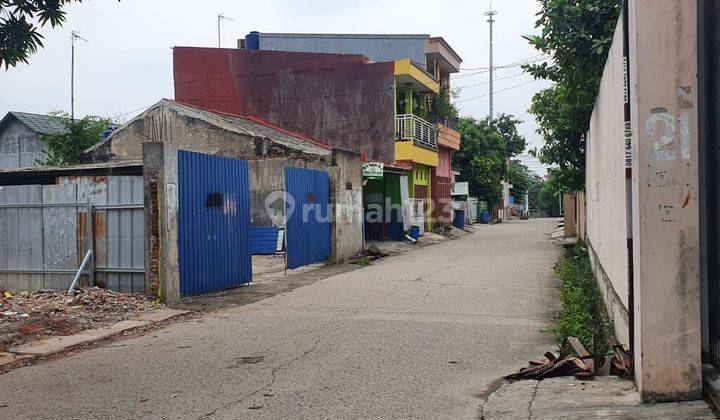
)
(485, 217)
(415, 232)
(109, 130)
(252, 41)
(459, 219)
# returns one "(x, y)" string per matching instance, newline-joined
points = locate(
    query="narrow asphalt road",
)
(423, 334)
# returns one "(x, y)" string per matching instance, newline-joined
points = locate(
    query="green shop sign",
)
(373, 170)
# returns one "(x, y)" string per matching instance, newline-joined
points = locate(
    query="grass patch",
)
(364, 261)
(583, 314)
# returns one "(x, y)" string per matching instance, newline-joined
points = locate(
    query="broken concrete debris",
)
(581, 364)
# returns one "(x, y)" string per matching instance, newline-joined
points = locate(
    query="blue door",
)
(308, 224)
(213, 223)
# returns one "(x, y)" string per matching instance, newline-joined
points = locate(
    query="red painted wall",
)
(443, 168)
(340, 99)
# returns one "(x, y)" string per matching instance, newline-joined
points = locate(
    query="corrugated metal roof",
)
(64, 168)
(250, 126)
(42, 124)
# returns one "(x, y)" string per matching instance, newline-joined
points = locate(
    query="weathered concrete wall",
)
(665, 218)
(580, 213)
(569, 209)
(160, 165)
(19, 146)
(266, 178)
(346, 238)
(664, 313)
(605, 189)
(267, 205)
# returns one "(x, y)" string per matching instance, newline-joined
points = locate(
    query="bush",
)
(583, 314)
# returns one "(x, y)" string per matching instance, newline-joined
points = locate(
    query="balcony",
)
(410, 127)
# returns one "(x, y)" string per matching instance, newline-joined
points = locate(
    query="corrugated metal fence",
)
(44, 233)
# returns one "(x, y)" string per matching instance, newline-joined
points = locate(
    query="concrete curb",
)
(59, 344)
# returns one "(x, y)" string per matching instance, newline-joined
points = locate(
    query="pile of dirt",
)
(29, 316)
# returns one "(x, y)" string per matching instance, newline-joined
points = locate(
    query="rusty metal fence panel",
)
(44, 233)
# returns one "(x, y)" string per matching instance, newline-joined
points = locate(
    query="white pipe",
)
(80, 270)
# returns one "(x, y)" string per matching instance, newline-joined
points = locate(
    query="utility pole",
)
(74, 35)
(490, 20)
(221, 17)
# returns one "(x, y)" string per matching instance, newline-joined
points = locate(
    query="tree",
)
(577, 34)
(506, 125)
(67, 148)
(520, 177)
(484, 153)
(551, 190)
(19, 36)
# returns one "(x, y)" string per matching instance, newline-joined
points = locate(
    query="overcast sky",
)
(127, 64)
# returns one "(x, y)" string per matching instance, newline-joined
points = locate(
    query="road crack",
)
(273, 378)
(532, 399)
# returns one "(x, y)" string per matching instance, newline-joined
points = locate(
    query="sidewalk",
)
(567, 397)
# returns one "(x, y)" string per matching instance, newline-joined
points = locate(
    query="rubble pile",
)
(28, 316)
(581, 364)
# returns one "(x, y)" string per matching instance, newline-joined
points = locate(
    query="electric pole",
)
(74, 35)
(490, 20)
(221, 17)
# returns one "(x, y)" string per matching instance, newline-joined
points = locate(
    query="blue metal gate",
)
(308, 224)
(213, 223)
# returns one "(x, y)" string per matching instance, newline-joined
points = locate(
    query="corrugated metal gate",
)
(308, 224)
(213, 223)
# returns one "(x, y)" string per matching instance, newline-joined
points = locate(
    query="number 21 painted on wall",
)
(664, 147)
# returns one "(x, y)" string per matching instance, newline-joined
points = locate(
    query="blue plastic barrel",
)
(459, 220)
(415, 232)
(485, 217)
(252, 41)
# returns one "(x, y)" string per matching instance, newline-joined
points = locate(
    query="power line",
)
(130, 112)
(536, 57)
(482, 70)
(484, 83)
(502, 90)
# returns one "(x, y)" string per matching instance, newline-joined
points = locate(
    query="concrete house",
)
(20, 146)
(179, 197)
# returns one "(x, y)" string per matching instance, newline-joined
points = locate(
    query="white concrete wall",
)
(665, 311)
(665, 219)
(606, 191)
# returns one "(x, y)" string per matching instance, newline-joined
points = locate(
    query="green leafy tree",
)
(551, 190)
(536, 185)
(19, 24)
(520, 177)
(67, 148)
(484, 153)
(577, 34)
(506, 125)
